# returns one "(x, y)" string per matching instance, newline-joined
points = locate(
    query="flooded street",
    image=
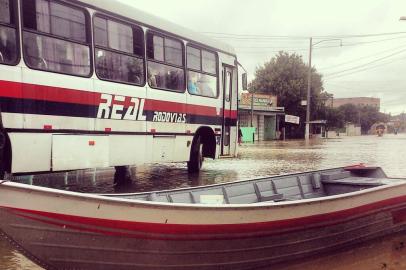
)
(258, 160)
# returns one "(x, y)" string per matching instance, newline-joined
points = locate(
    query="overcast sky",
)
(372, 66)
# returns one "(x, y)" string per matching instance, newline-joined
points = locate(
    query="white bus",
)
(96, 83)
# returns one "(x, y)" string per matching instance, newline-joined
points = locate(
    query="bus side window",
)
(165, 63)
(8, 37)
(55, 38)
(119, 51)
(202, 72)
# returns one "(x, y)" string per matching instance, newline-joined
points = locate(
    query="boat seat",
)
(316, 181)
(265, 192)
(311, 187)
(154, 197)
(335, 175)
(184, 197)
(357, 181)
(290, 187)
(196, 195)
(240, 194)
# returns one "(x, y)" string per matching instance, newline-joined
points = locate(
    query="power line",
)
(365, 88)
(361, 58)
(282, 48)
(250, 36)
(364, 69)
(366, 64)
(269, 52)
(373, 41)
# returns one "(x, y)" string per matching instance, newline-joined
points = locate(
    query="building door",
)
(269, 128)
(227, 98)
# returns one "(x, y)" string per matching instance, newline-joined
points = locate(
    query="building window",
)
(165, 63)
(55, 38)
(202, 72)
(8, 33)
(119, 51)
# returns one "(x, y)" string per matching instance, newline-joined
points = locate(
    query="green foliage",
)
(350, 113)
(285, 76)
(365, 116)
(369, 116)
(335, 118)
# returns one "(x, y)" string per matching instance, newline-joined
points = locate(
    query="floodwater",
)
(255, 160)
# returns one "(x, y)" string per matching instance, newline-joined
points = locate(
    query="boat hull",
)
(65, 230)
(63, 247)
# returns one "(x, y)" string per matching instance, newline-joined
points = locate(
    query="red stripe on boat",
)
(221, 229)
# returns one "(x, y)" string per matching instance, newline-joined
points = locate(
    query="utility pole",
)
(252, 109)
(309, 86)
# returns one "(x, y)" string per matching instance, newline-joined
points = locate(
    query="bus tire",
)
(196, 156)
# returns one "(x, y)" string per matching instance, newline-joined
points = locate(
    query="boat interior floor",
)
(273, 189)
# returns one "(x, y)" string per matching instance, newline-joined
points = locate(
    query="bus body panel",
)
(128, 149)
(31, 152)
(71, 152)
(57, 101)
(69, 122)
(11, 93)
(166, 119)
(167, 148)
(123, 107)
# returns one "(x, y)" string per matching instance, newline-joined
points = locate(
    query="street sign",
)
(292, 119)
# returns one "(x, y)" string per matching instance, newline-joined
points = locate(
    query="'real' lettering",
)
(132, 111)
(113, 107)
(141, 115)
(117, 111)
(168, 117)
(104, 107)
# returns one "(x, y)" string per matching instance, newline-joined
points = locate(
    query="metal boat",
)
(249, 224)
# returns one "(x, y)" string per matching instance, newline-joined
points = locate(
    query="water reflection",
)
(259, 160)
(387, 253)
(10, 259)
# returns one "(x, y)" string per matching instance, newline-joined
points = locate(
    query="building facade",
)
(357, 101)
(261, 112)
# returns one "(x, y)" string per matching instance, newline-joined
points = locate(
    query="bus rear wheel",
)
(196, 157)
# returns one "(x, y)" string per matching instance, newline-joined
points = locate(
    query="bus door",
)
(227, 110)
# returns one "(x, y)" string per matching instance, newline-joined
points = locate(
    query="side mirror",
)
(244, 81)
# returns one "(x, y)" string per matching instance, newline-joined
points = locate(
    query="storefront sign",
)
(292, 119)
(260, 100)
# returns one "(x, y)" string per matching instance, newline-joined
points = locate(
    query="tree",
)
(369, 116)
(335, 118)
(350, 113)
(285, 76)
(364, 116)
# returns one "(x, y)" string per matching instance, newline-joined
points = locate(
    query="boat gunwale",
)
(170, 205)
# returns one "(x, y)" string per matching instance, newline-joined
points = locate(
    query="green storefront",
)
(260, 118)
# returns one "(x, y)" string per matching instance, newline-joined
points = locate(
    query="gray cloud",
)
(384, 79)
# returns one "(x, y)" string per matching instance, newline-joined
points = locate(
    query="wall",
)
(353, 130)
(357, 101)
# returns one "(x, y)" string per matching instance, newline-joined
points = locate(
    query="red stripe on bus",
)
(64, 95)
(58, 94)
(49, 93)
(10, 89)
